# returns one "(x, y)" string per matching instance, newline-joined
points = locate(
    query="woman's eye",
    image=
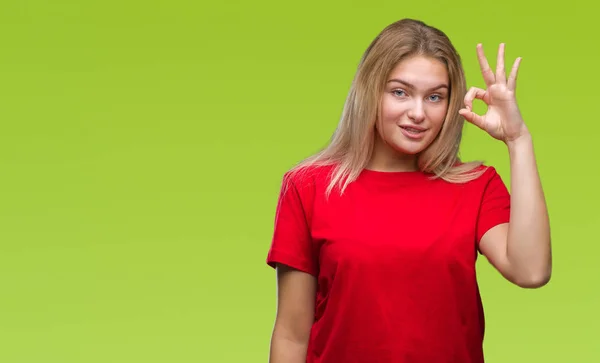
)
(435, 98)
(398, 92)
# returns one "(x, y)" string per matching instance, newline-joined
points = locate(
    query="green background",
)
(142, 146)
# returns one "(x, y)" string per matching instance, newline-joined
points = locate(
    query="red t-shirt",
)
(394, 257)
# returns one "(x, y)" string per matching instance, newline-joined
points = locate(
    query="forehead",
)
(420, 71)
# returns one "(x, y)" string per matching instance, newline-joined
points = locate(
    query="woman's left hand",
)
(503, 119)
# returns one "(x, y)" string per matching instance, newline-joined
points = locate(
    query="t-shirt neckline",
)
(380, 176)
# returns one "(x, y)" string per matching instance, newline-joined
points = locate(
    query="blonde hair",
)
(351, 145)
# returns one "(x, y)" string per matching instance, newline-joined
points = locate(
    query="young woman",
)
(376, 236)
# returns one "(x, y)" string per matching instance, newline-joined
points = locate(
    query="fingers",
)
(500, 71)
(467, 112)
(473, 118)
(500, 75)
(472, 94)
(486, 71)
(512, 79)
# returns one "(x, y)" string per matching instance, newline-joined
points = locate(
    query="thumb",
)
(472, 117)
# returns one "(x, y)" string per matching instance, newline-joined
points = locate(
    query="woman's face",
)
(413, 106)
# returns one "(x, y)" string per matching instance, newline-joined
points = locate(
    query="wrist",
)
(524, 139)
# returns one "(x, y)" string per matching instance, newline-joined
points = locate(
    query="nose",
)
(417, 112)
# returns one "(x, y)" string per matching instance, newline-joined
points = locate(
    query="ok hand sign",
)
(503, 119)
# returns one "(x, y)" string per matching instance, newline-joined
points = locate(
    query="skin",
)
(295, 314)
(519, 250)
(416, 94)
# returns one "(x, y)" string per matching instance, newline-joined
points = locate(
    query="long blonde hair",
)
(351, 145)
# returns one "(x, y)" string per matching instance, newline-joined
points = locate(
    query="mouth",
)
(413, 132)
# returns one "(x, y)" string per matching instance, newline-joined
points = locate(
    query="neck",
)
(385, 158)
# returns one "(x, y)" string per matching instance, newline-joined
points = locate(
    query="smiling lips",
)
(413, 132)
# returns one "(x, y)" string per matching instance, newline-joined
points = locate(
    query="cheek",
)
(438, 116)
(391, 113)
(386, 122)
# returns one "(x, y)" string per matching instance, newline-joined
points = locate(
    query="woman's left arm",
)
(520, 249)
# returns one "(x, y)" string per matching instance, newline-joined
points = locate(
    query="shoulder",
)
(480, 174)
(489, 173)
(488, 183)
(474, 180)
(302, 186)
(305, 177)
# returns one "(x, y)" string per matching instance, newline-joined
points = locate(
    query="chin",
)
(410, 149)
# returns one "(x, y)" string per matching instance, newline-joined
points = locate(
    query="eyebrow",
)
(443, 85)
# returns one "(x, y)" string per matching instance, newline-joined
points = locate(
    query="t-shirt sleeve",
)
(292, 243)
(495, 204)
